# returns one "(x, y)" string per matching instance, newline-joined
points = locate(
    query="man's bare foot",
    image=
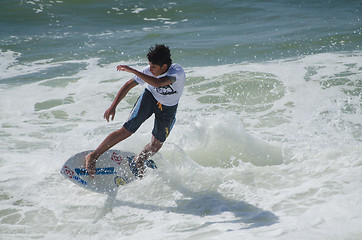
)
(90, 165)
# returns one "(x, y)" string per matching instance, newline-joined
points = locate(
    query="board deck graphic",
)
(114, 168)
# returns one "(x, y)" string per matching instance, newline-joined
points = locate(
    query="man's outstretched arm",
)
(153, 81)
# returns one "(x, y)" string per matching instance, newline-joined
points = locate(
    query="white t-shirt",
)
(168, 95)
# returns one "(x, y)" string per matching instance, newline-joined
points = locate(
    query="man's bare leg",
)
(149, 150)
(111, 140)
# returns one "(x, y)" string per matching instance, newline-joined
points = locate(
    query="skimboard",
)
(114, 168)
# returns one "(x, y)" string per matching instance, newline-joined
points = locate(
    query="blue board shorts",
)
(146, 105)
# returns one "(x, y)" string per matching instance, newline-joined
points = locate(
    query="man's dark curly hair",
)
(159, 55)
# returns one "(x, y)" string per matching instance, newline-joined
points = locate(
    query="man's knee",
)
(123, 132)
(155, 145)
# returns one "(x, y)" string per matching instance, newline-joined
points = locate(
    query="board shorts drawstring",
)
(159, 105)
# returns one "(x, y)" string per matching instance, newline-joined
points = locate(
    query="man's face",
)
(157, 69)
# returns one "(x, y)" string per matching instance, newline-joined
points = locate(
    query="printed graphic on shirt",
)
(166, 90)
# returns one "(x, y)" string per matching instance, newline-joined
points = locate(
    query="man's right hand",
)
(109, 112)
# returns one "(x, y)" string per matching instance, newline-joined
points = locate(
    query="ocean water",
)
(268, 138)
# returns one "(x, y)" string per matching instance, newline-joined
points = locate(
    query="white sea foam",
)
(7, 59)
(290, 170)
